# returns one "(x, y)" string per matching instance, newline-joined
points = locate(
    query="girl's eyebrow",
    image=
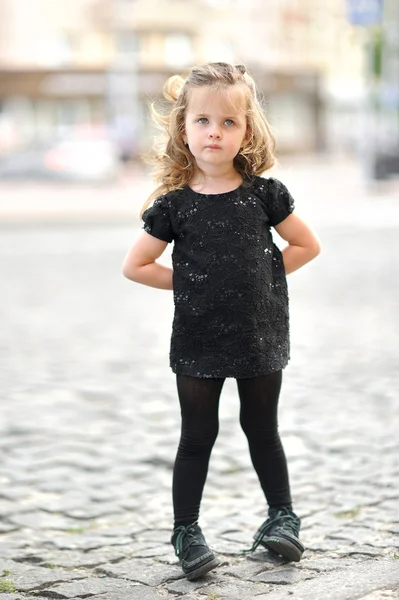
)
(227, 116)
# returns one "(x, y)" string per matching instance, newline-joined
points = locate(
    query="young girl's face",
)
(215, 126)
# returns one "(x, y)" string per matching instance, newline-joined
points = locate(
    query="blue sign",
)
(365, 12)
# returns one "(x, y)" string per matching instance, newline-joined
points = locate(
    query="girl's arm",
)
(140, 266)
(303, 245)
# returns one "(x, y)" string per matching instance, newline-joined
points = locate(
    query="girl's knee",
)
(258, 431)
(197, 444)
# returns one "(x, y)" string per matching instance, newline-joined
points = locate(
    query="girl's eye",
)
(203, 120)
(229, 122)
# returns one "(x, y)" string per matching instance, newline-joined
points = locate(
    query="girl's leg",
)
(259, 402)
(199, 403)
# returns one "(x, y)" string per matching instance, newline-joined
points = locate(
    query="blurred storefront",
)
(66, 67)
(52, 75)
(75, 65)
(317, 60)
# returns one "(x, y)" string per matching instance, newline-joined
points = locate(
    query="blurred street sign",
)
(365, 12)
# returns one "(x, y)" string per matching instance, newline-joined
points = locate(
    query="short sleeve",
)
(280, 203)
(157, 220)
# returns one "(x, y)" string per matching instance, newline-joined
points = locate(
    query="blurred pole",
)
(389, 87)
(371, 142)
(385, 97)
(123, 100)
(368, 14)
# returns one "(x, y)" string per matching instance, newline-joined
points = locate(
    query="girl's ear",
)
(184, 137)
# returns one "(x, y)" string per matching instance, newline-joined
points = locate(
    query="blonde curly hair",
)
(175, 165)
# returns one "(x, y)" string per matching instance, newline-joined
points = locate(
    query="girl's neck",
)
(215, 183)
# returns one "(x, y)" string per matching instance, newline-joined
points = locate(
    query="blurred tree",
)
(377, 51)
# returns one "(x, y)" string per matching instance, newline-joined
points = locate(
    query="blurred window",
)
(72, 111)
(224, 50)
(56, 50)
(178, 50)
(228, 3)
(44, 116)
(93, 47)
(127, 43)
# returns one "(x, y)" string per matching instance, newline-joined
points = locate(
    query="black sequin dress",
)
(230, 291)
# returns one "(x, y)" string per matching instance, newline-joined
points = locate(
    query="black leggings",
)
(199, 402)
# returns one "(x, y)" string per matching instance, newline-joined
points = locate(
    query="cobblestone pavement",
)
(89, 421)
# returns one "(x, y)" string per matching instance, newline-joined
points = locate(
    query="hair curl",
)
(175, 165)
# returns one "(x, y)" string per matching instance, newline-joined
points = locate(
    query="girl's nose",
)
(214, 134)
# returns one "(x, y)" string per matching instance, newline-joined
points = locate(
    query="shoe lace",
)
(185, 535)
(286, 521)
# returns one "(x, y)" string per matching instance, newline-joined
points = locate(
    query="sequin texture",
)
(230, 291)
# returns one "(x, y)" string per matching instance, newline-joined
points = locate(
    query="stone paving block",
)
(357, 551)
(237, 536)
(246, 569)
(64, 502)
(16, 493)
(123, 528)
(54, 485)
(42, 520)
(149, 534)
(283, 576)
(91, 587)
(120, 552)
(266, 558)
(7, 550)
(133, 489)
(227, 547)
(168, 558)
(345, 584)
(183, 586)
(77, 538)
(227, 588)
(323, 544)
(13, 566)
(94, 511)
(152, 552)
(390, 594)
(139, 592)
(325, 565)
(105, 494)
(143, 571)
(365, 536)
(130, 504)
(6, 507)
(8, 528)
(29, 578)
(67, 559)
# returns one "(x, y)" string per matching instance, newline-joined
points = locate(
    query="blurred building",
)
(52, 63)
(309, 61)
(69, 63)
(74, 62)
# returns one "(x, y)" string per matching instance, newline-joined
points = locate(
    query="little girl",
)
(229, 286)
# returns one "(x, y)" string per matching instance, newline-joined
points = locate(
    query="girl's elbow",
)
(316, 248)
(129, 271)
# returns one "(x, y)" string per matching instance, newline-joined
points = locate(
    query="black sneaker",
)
(280, 534)
(192, 550)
